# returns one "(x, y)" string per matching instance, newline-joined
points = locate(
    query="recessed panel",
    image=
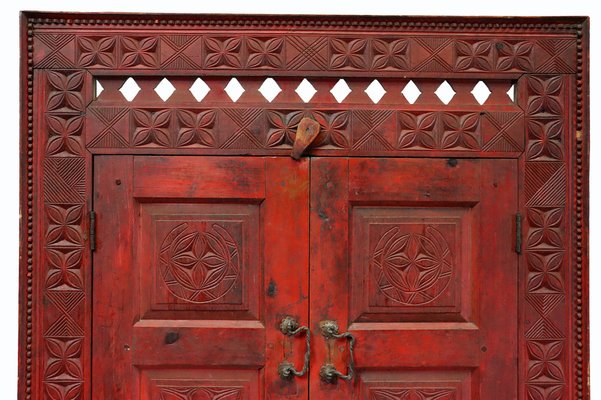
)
(418, 385)
(199, 384)
(411, 263)
(199, 261)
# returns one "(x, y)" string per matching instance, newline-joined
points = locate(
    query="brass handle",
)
(328, 372)
(290, 327)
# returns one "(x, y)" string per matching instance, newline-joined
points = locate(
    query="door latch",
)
(306, 132)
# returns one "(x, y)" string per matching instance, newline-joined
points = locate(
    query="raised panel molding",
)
(203, 260)
(414, 267)
(62, 127)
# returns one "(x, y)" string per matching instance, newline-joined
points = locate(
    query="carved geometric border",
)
(545, 336)
(270, 131)
(190, 50)
(60, 222)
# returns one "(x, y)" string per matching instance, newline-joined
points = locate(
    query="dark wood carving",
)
(63, 280)
(545, 320)
(330, 52)
(542, 123)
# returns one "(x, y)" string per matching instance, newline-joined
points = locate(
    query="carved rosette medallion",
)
(199, 266)
(411, 268)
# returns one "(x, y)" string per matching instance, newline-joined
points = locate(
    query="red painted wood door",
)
(416, 259)
(198, 259)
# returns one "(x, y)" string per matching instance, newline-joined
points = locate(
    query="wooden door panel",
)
(187, 384)
(191, 291)
(199, 344)
(417, 259)
(229, 230)
(428, 385)
(73, 70)
(427, 345)
(329, 266)
(386, 180)
(207, 177)
(444, 234)
(111, 322)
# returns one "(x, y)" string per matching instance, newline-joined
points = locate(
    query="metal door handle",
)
(290, 327)
(328, 372)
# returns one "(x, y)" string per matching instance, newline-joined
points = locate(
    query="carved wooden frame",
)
(62, 54)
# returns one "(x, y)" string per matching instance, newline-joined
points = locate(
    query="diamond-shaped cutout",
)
(411, 92)
(234, 89)
(164, 89)
(511, 93)
(445, 92)
(340, 90)
(98, 89)
(130, 89)
(375, 91)
(481, 92)
(199, 89)
(305, 91)
(270, 89)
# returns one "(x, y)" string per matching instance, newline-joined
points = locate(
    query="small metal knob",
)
(288, 326)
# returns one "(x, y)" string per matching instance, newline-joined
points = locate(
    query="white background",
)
(9, 132)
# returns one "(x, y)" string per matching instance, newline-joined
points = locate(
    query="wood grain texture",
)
(545, 324)
(198, 279)
(64, 125)
(431, 242)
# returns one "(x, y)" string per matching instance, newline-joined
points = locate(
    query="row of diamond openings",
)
(306, 91)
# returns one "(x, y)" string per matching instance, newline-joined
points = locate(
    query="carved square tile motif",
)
(410, 264)
(199, 384)
(204, 263)
(452, 384)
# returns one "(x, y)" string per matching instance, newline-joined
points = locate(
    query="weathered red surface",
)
(431, 287)
(398, 222)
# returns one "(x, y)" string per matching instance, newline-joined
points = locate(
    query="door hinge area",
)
(518, 233)
(92, 233)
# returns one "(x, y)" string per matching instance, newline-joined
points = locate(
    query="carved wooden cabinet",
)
(429, 243)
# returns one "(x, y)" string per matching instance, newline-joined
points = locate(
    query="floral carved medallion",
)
(411, 268)
(199, 266)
